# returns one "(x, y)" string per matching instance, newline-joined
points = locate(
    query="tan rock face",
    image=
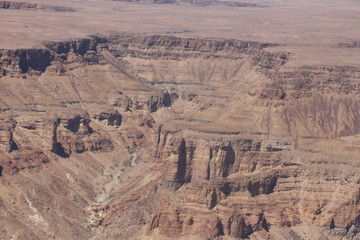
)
(160, 137)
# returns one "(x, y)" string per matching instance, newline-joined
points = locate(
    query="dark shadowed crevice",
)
(59, 150)
(74, 124)
(56, 146)
(167, 100)
(262, 223)
(269, 188)
(208, 171)
(219, 228)
(115, 119)
(181, 168)
(262, 187)
(226, 189)
(13, 146)
(23, 63)
(38, 60)
(214, 199)
(332, 224)
(228, 161)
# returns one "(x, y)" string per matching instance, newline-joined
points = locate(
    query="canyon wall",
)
(161, 137)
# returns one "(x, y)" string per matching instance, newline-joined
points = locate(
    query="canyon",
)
(147, 133)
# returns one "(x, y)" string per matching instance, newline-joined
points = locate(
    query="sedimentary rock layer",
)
(33, 6)
(161, 137)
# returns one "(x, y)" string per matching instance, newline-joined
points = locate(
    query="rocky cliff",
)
(198, 3)
(33, 6)
(161, 137)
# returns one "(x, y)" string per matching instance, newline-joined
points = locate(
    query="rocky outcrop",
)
(160, 136)
(133, 45)
(199, 3)
(75, 135)
(36, 61)
(157, 102)
(16, 62)
(352, 44)
(76, 46)
(111, 118)
(205, 159)
(33, 6)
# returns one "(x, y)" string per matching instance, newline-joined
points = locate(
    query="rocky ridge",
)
(198, 3)
(33, 6)
(201, 138)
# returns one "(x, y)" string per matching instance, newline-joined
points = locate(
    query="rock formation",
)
(162, 137)
(198, 3)
(33, 6)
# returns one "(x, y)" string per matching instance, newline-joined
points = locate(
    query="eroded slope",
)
(160, 137)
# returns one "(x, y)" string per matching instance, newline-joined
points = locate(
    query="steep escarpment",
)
(156, 46)
(33, 6)
(223, 180)
(199, 3)
(352, 44)
(24, 61)
(161, 137)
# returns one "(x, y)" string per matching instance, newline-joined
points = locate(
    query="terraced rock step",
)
(162, 137)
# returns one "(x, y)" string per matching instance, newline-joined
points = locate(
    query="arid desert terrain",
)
(180, 119)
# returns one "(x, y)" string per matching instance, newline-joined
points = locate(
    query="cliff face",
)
(33, 6)
(16, 62)
(159, 137)
(199, 3)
